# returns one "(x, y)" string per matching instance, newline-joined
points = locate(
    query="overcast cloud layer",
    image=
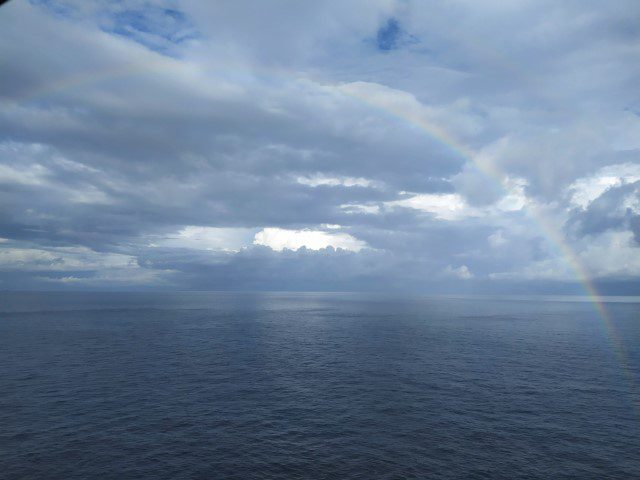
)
(463, 146)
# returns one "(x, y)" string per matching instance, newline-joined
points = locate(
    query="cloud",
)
(207, 238)
(447, 206)
(279, 239)
(587, 189)
(355, 208)
(182, 144)
(616, 208)
(461, 272)
(322, 180)
(497, 239)
(611, 255)
(452, 206)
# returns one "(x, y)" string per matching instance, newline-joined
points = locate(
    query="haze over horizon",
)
(456, 146)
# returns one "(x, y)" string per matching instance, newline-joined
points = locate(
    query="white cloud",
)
(453, 206)
(279, 238)
(359, 208)
(610, 254)
(444, 206)
(497, 239)
(461, 272)
(32, 175)
(586, 189)
(208, 238)
(319, 179)
(515, 198)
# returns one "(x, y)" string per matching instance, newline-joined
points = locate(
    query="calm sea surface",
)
(218, 385)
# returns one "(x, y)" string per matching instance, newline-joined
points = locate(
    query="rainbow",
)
(92, 77)
(417, 120)
(412, 116)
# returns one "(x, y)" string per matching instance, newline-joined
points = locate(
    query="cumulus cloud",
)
(279, 239)
(615, 207)
(459, 272)
(497, 239)
(586, 189)
(207, 238)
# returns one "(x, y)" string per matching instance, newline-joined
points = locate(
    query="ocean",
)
(317, 385)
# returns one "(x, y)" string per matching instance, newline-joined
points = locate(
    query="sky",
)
(456, 146)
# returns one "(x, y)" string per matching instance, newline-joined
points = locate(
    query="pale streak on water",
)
(222, 385)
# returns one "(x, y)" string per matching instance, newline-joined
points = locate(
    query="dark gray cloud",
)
(148, 144)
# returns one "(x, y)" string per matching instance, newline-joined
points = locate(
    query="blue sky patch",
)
(159, 28)
(156, 28)
(389, 35)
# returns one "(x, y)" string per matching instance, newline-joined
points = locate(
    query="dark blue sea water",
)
(218, 385)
